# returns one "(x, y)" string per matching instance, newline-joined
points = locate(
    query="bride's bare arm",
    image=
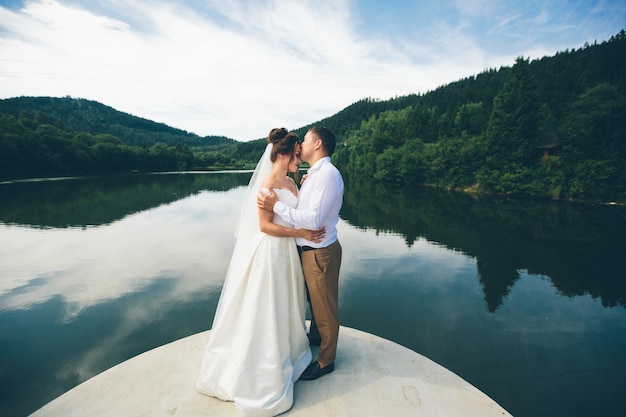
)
(267, 225)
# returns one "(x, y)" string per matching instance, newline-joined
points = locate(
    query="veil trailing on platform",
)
(248, 223)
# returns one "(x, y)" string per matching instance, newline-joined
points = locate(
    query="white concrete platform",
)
(372, 377)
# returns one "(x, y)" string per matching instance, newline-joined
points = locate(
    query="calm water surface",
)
(523, 299)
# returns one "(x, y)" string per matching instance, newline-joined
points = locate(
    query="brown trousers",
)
(321, 273)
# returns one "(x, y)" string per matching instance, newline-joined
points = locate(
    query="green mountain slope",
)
(95, 118)
(554, 127)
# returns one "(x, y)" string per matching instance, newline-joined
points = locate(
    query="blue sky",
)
(240, 67)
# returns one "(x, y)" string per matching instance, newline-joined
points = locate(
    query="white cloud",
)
(239, 68)
(474, 8)
(282, 64)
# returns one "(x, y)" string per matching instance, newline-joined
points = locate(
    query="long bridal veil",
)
(248, 223)
(247, 233)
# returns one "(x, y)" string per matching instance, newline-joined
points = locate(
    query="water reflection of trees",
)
(92, 201)
(578, 247)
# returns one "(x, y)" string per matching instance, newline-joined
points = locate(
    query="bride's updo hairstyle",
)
(283, 141)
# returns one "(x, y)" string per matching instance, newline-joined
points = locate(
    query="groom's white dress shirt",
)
(319, 202)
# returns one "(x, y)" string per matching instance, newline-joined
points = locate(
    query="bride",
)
(258, 345)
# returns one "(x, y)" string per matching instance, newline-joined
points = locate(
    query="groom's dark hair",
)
(327, 137)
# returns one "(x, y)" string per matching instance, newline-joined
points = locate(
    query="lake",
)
(525, 299)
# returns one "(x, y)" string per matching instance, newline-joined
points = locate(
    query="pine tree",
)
(513, 125)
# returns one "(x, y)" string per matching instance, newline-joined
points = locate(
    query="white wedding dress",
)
(258, 345)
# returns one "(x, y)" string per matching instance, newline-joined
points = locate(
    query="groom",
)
(319, 203)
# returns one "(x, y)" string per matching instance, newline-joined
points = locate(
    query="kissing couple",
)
(286, 252)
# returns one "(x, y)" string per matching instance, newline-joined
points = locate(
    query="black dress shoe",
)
(313, 371)
(315, 341)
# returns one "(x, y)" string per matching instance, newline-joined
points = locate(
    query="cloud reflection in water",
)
(88, 266)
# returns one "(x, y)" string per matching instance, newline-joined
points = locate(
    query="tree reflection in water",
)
(97, 270)
(578, 246)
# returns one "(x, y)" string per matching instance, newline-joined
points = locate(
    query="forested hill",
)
(91, 117)
(551, 127)
(558, 80)
(45, 136)
(554, 126)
